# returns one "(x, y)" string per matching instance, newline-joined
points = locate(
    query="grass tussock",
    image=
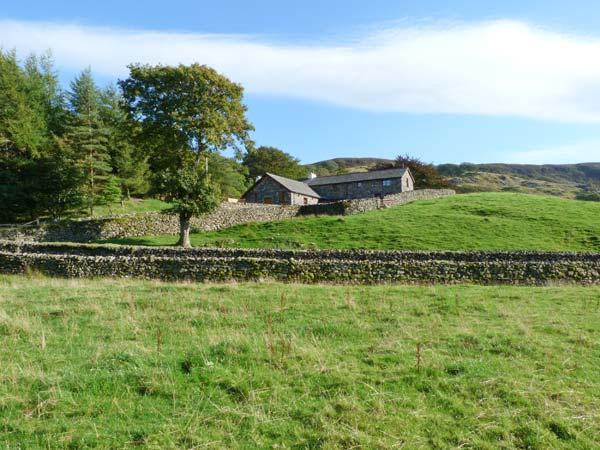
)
(118, 364)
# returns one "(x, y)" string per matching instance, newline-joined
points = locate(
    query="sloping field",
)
(123, 364)
(484, 221)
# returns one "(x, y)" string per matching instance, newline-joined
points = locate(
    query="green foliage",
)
(120, 363)
(230, 176)
(87, 138)
(56, 185)
(490, 221)
(22, 124)
(590, 193)
(129, 163)
(112, 190)
(272, 160)
(426, 175)
(190, 191)
(184, 114)
(30, 109)
(186, 109)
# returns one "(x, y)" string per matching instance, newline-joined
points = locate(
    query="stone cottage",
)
(276, 190)
(283, 191)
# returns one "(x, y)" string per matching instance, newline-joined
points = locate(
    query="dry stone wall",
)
(328, 266)
(227, 215)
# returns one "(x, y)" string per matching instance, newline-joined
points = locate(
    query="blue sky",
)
(447, 81)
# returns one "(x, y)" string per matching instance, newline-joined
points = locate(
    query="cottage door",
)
(268, 201)
(281, 198)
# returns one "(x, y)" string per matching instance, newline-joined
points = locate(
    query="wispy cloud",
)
(490, 68)
(584, 151)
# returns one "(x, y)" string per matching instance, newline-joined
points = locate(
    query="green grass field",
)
(133, 206)
(488, 221)
(132, 364)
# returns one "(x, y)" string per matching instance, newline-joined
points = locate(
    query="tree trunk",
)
(184, 230)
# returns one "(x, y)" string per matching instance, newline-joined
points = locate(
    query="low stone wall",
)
(87, 230)
(329, 266)
(227, 215)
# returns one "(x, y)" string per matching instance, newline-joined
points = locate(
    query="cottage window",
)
(359, 184)
(387, 183)
(407, 184)
(305, 201)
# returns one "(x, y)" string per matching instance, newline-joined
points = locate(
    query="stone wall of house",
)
(227, 215)
(364, 189)
(268, 190)
(299, 199)
(328, 266)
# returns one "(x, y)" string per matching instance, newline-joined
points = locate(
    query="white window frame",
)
(387, 183)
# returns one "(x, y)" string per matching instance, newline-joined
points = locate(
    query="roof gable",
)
(297, 187)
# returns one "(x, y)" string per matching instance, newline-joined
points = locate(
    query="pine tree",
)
(112, 191)
(129, 164)
(87, 137)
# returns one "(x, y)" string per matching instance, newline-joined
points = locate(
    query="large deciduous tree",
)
(185, 113)
(271, 159)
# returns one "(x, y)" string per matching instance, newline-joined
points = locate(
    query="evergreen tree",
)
(128, 163)
(30, 103)
(22, 121)
(57, 184)
(88, 138)
(112, 191)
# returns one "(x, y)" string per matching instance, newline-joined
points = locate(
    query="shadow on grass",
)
(146, 241)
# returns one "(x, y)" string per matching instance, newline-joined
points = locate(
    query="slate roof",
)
(297, 187)
(358, 176)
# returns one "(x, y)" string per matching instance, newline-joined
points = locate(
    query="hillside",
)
(338, 166)
(483, 221)
(566, 180)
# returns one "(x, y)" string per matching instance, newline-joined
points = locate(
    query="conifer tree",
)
(128, 163)
(112, 191)
(87, 138)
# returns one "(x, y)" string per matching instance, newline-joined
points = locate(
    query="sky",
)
(446, 81)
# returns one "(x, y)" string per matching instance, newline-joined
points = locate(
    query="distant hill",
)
(338, 166)
(572, 173)
(563, 180)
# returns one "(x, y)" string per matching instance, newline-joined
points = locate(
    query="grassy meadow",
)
(132, 364)
(131, 206)
(484, 221)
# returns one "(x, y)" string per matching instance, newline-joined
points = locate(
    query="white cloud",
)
(489, 68)
(578, 152)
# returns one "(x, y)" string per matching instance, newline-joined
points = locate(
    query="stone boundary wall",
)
(354, 254)
(227, 215)
(341, 266)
